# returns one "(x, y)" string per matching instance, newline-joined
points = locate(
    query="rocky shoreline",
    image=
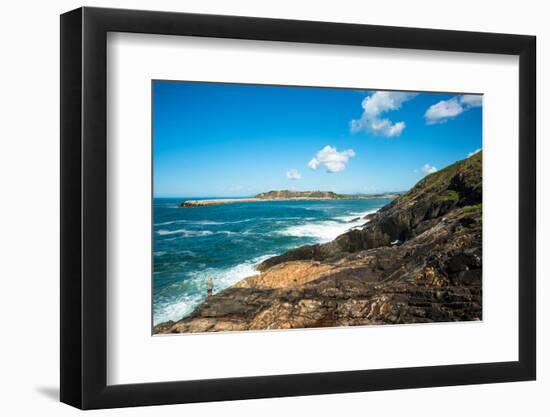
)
(417, 260)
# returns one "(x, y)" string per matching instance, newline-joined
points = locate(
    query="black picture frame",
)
(84, 207)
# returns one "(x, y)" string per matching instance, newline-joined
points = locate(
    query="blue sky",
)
(238, 140)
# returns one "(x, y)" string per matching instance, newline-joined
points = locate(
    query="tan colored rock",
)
(286, 275)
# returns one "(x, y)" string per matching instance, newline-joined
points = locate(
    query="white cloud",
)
(333, 160)
(293, 174)
(474, 152)
(448, 109)
(428, 169)
(314, 163)
(375, 105)
(443, 110)
(471, 100)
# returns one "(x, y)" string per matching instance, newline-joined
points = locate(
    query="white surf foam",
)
(193, 289)
(213, 222)
(327, 230)
(184, 232)
(200, 233)
(169, 223)
(176, 308)
(228, 277)
(202, 222)
(353, 216)
(322, 231)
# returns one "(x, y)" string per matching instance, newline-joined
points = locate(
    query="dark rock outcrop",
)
(433, 274)
(456, 186)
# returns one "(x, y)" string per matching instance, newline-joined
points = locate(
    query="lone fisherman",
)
(209, 287)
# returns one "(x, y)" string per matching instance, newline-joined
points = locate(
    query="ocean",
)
(225, 242)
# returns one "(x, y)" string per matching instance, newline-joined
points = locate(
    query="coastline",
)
(312, 230)
(257, 278)
(418, 259)
(290, 275)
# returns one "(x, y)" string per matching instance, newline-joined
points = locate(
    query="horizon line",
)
(252, 195)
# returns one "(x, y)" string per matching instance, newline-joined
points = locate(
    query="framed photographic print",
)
(257, 208)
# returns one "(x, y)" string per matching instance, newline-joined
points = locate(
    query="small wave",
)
(185, 232)
(328, 230)
(175, 308)
(182, 252)
(358, 216)
(169, 223)
(213, 222)
(192, 291)
(321, 232)
(224, 278)
(202, 222)
(201, 233)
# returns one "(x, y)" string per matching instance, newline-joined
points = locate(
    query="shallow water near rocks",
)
(225, 242)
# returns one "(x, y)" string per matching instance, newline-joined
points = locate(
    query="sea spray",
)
(326, 231)
(186, 295)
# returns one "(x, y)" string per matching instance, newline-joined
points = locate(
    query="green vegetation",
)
(446, 184)
(449, 195)
(473, 209)
(289, 194)
(297, 194)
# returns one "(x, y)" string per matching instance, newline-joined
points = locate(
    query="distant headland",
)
(286, 195)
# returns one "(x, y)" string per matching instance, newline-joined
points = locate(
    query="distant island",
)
(286, 195)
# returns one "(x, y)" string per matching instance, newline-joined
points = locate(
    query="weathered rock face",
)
(431, 274)
(456, 186)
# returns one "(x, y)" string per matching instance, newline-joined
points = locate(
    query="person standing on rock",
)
(209, 287)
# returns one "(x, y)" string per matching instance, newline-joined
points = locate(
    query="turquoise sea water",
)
(225, 242)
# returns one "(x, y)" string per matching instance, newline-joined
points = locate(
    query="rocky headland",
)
(284, 195)
(416, 260)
